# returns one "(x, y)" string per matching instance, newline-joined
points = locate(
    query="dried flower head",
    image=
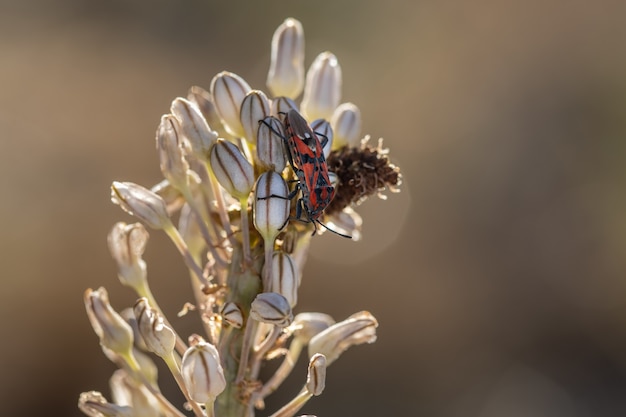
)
(248, 177)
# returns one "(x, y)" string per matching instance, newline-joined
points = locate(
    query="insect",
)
(306, 157)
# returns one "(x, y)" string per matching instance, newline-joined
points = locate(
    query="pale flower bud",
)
(228, 91)
(347, 221)
(270, 146)
(283, 105)
(172, 197)
(202, 372)
(307, 325)
(232, 315)
(286, 74)
(254, 108)
(316, 377)
(127, 243)
(158, 337)
(324, 131)
(93, 404)
(127, 391)
(232, 169)
(346, 122)
(114, 333)
(271, 206)
(285, 277)
(172, 159)
(141, 203)
(272, 308)
(203, 100)
(322, 92)
(195, 127)
(357, 329)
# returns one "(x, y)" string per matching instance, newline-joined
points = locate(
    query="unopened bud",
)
(195, 127)
(202, 98)
(127, 391)
(172, 197)
(324, 132)
(172, 159)
(228, 91)
(93, 404)
(141, 203)
(114, 333)
(127, 243)
(286, 74)
(271, 205)
(355, 330)
(307, 325)
(272, 308)
(270, 146)
(232, 169)
(254, 108)
(322, 92)
(316, 377)
(285, 277)
(347, 221)
(232, 315)
(202, 372)
(158, 337)
(346, 122)
(283, 105)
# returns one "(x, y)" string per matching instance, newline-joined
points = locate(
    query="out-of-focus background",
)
(498, 275)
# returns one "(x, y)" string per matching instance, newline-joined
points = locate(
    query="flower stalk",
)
(246, 207)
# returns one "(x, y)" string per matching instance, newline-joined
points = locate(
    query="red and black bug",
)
(306, 157)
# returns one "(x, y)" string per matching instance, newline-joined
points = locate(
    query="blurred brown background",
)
(498, 275)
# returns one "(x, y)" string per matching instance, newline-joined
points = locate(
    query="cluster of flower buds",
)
(231, 203)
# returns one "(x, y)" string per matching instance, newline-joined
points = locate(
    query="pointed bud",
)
(127, 243)
(347, 221)
(114, 333)
(93, 404)
(141, 203)
(232, 315)
(347, 124)
(232, 169)
(158, 337)
(322, 92)
(272, 308)
(127, 391)
(283, 105)
(286, 74)
(195, 127)
(355, 330)
(172, 159)
(270, 148)
(324, 132)
(202, 372)
(285, 277)
(271, 205)
(316, 377)
(307, 325)
(203, 100)
(254, 108)
(228, 91)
